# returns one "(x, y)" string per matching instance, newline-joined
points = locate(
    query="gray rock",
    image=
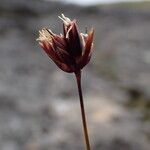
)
(39, 106)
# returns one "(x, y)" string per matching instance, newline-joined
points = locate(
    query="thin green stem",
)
(86, 136)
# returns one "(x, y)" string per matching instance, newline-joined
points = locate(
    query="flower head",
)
(70, 51)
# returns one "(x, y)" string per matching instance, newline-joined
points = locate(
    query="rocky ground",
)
(39, 107)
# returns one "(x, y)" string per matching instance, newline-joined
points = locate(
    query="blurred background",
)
(39, 105)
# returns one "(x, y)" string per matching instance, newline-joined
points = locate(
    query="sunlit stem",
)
(85, 129)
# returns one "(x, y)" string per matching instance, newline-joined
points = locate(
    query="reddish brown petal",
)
(49, 51)
(59, 41)
(45, 45)
(75, 48)
(67, 59)
(87, 51)
(57, 60)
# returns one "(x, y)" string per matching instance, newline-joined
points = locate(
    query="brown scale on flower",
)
(71, 51)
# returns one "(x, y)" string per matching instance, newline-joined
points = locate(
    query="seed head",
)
(70, 51)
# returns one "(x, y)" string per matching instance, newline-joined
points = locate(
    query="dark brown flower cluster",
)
(70, 51)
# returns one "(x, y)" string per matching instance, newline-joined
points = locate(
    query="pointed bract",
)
(85, 58)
